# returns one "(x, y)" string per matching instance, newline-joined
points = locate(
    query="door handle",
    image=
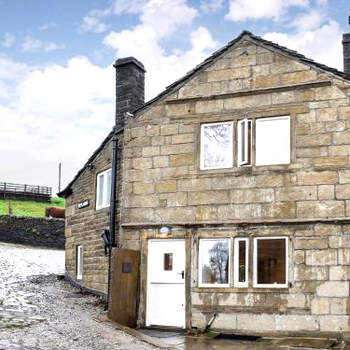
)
(182, 273)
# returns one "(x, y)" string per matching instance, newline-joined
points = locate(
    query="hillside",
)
(29, 208)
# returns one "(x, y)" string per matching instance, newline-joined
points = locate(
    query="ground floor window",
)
(270, 262)
(214, 262)
(79, 263)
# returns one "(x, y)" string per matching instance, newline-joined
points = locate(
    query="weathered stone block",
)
(181, 159)
(225, 321)
(344, 256)
(295, 193)
(298, 77)
(320, 306)
(326, 192)
(143, 188)
(335, 289)
(252, 196)
(320, 209)
(270, 180)
(326, 114)
(344, 112)
(328, 93)
(339, 241)
(317, 177)
(339, 273)
(279, 210)
(283, 97)
(169, 129)
(194, 184)
(175, 214)
(342, 150)
(299, 257)
(182, 138)
(178, 199)
(208, 197)
(206, 213)
(228, 74)
(141, 201)
(296, 323)
(342, 191)
(311, 243)
(166, 186)
(334, 323)
(160, 162)
(321, 257)
(314, 140)
(142, 163)
(177, 149)
(150, 151)
(309, 273)
(335, 161)
(239, 211)
(340, 306)
(253, 322)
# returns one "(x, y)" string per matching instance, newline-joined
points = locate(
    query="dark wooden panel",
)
(124, 286)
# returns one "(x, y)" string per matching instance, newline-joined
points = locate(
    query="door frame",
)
(148, 279)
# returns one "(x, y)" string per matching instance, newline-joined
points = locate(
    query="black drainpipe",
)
(113, 206)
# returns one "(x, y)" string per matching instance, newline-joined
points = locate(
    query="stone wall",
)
(307, 200)
(85, 226)
(165, 184)
(36, 232)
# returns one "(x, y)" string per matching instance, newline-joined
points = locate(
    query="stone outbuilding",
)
(234, 186)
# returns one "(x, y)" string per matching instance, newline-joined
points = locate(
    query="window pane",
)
(217, 146)
(100, 190)
(108, 187)
(242, 246)
(168, 261)
(273, 141)
(271, 259)
(214, 261)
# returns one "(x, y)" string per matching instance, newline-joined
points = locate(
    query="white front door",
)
(166, 283)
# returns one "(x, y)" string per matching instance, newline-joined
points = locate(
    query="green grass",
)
(29, 208)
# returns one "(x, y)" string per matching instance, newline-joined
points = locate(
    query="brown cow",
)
(55, 212)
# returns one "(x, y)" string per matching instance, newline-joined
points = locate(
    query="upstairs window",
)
(272, 144)
(103, 189)
(216, 146)
(244, 149)
(263, 141)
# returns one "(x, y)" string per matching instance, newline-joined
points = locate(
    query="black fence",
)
(28, 192)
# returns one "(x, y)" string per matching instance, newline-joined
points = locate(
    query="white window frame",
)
(202, 167)
(245, 159)
(80, 261)
(104, 204)
(236, 282)
(213, 285)
(255, 262)
(262, 120)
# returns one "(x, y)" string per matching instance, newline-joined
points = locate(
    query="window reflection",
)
(214, 261)
(271, 258)
(242, 246)
(168, 262)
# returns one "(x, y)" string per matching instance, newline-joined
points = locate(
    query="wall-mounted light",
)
(165, 230)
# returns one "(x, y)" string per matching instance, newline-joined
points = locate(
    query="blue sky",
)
(56, 79)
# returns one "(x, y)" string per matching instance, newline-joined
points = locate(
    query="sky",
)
(57, 80)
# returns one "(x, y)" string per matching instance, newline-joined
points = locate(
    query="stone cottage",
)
(234, 186)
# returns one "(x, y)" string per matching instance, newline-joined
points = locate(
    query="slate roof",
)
(245, 35)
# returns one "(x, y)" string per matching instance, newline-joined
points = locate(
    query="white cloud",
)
(309, 20)
(48, 25)
(8, 40)
(127, 6)
(242, 10)
(93, 23)
(323, 44)
(159, 20)
(31, 44)
(52, 114)
(211, 5)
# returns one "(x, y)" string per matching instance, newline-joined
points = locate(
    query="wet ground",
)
(41, 311)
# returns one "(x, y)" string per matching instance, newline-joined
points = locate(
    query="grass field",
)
(29, 208)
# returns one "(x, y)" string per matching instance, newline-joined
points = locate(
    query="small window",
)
(103, 189)
(216, 146)
(79, 264)
(272, 143)
(241, 262)
(271, 262)
(214, 262)
(244, 149)
(168, 261)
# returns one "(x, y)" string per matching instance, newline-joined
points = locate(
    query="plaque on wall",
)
(83, 204)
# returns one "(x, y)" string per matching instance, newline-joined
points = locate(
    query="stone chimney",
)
(346, 51)
(130, 87)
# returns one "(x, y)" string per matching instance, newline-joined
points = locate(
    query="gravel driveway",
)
(39, 311)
